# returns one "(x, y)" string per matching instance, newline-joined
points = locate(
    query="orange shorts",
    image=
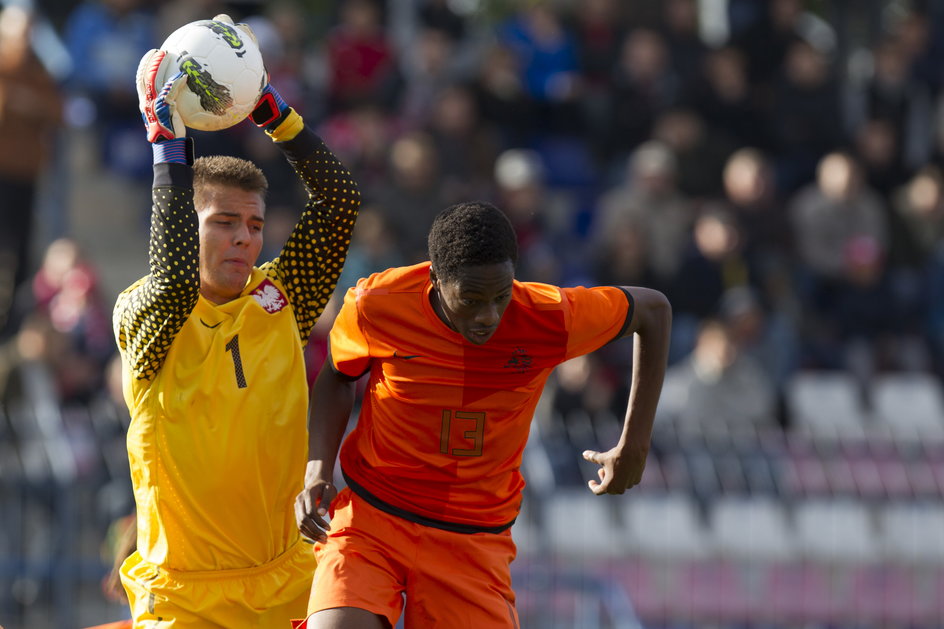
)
(372, 559)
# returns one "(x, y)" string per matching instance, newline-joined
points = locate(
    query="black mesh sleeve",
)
(150, 313)
(311, 260)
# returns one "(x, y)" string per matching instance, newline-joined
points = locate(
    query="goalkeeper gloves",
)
(271, 110)
(165, 128)
(158, 103)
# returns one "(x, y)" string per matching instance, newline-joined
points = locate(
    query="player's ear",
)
(432, 277)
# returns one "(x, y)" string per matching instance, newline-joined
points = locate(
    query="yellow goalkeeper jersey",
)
(217, 393)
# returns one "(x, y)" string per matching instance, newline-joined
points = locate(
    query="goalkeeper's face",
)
(231, 221)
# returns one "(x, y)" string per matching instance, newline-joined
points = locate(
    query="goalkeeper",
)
(214, 375)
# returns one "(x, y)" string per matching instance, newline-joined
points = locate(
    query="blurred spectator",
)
(588, 384)
(765, 39)
(547, 56)
(713, 262)
(413, 194)
(770, 338)
(374, 247)
(649, 199)
(642, 86)
(722, 95)
(543, 218)
(750, 193)
(621, 257)
(686, 49)
(919, 204)
(919, 34)
(439, 15)
(502, 97)
(803, 115)
(65, 290)
(467, 145)
(106, 39)
(718, 383)
(891, 93)
(858, 319)
(827, 214)
(842, 236)
(30, 111)
(598, 29)
(39, 347)
(362, 62)
(428, 69)
(363, 136)
(699, 152)
(876, 144)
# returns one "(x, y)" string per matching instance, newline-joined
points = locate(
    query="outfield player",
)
(457, 354)
(214, 373)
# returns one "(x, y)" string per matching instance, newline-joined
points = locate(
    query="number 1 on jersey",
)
(233, 347)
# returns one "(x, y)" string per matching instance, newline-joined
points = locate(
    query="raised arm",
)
(150, 313)
(621, 467)
(311, 260)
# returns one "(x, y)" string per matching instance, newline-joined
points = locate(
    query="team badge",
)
(520, 361)
(269, 297)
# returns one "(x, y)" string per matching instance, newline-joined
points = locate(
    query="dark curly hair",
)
(470, 234)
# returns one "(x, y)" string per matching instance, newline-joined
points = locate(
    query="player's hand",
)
(270, 110)
(242, 26)
(271, 107)
(158, 103)
(311, 507)
(620, 469)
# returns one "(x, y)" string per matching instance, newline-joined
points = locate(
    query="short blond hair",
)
(226, 171)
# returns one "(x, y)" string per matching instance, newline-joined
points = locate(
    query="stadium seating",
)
(579, 524)
(838, 531)
(912, 532)
(666, 525)
(752, 529)
(826, 403)
(910, 405)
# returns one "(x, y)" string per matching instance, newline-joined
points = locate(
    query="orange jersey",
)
(444, 422)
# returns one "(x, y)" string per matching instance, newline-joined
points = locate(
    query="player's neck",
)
(436, 302)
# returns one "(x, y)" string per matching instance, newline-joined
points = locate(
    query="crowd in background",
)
(776, 169)
(779, 177)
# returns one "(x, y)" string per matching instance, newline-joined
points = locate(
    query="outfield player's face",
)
(230, 241)
(473, 303)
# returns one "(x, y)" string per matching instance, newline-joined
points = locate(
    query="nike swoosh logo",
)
(210, 326)
(411, 356)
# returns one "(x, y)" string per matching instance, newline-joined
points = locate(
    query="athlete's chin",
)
(230, 284)
(479, 338)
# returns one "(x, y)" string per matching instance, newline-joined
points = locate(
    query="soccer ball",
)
(225, 73)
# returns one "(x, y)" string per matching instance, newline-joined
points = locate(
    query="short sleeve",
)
(598, 315)
(350, 349)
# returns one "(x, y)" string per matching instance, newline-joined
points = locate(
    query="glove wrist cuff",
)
(176, 151)
(286, 127)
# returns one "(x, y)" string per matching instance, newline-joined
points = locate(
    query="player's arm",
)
(311, 260)
(150, 314)
(621, 467)
(332, 401)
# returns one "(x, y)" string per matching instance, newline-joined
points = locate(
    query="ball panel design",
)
(225, 73)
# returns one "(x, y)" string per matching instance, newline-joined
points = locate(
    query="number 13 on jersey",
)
(463, 433)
